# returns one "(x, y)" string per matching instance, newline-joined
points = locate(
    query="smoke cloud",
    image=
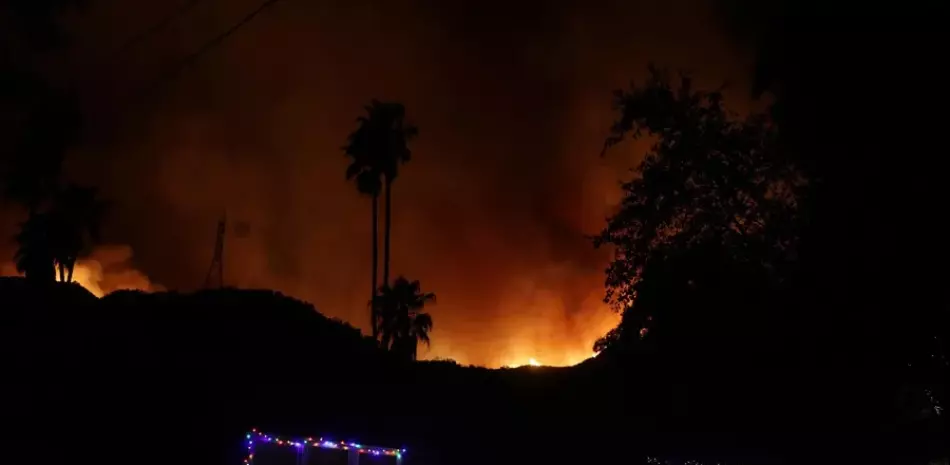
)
(512, 100)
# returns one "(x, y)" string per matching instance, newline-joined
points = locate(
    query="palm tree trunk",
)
(413, 348)
(389, 225)
(69, 271)
(62, 272)
(373, 320)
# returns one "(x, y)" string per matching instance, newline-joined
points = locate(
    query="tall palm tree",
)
(364, 170)
(397, 135)
(375, 149)
(402, 322)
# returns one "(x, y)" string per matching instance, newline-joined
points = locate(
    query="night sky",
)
(512, 100)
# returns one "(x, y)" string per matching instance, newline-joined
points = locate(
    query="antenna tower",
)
(215, 276)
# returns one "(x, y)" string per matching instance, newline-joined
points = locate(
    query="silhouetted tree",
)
(38, 123)
(708, 224)
(396, 137)
(52, 239)
(376, 149)
(871, 252)
(30, 175)
(75, 215)
(34, 254)
(364, 170)
(402, 322)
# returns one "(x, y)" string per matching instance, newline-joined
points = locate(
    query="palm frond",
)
(422, 325)
(353, 170)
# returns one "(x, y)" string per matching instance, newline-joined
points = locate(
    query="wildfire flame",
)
(109, 268)
(533, 362)
(88, 275)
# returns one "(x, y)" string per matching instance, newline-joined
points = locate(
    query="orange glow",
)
(88, 274)
(530, 341)
(535, 363)
(540, 326)
(492, 212)
(106, 270)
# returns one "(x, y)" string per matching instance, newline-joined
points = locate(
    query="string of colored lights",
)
(658, 461)
(302, 444)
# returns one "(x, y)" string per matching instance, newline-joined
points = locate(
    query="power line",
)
(140, 97)
(187, 61)
(154, 29)
(114, 56)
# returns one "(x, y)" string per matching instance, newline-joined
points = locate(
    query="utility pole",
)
(217, 262)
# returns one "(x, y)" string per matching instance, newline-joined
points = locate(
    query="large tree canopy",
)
(712, 198)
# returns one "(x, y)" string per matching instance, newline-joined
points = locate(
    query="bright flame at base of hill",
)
(535, 363)
(88, 275)
(109, 268)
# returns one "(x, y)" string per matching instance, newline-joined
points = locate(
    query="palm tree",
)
(34, 256)
(31, 176)
(375, 149)
(364, 170)
(402, 322)
(419, 327)
(75, 217)
(398, 134)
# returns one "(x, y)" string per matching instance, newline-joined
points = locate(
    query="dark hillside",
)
(23, 300)
(212, 364)
(178, 378)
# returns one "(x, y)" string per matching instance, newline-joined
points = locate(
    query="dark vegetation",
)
(195, 371)
(402, 323)
(376, 149)
(41, 122)
(781, 297)
(118, 375)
